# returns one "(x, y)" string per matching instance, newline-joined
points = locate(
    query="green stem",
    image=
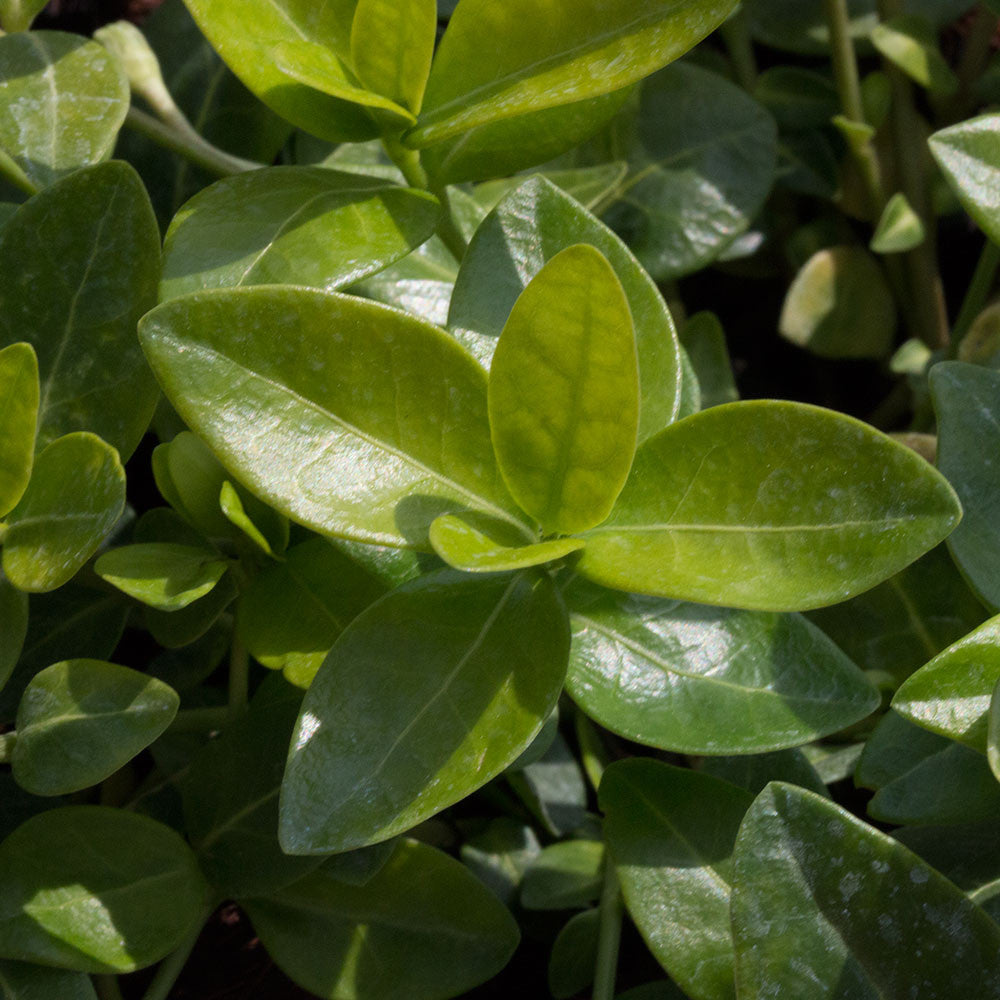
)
(978, 292)
(13, 173)
(973, 61)
(609, 934)
(7, 741)
(189, 144)
(199, 720)
(239, 678)
(107, 988)
(736, 36)
(172, 966)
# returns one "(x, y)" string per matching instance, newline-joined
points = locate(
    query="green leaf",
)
(527, 229)
(422, 929)
(174, 629)
(571, 963)
(951, 694)
(13, 627)
(18, 421)
(17, 15)
(701, 162)
(232, 506)
(799, 99)
(704, 340)
(21, 981)
(292, 225)
(769, 505)
(478, 544)
(392, 42)
(967, 155)
(840, 306)
(552, 787)
(457, 703)
(338, 458)
(993, 733)
(564, 876)
(910, 42)
(564, 393)
(97, 890)
(162, 575)
(821, 903)
(671, 833)
(754, 771)
(549, 54)
(702, 680)
(80, 721)
(500, 854)
(893, 749)
(75, 497)
(292, 612)
(63, 99)
(271, 44)
(967, 401)
(83, 263)
(899, 228)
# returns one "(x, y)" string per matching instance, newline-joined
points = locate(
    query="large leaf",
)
(375, 421)
(18, 421)
(497, 61)
(81, 720)
(82, 260)
(824, 905)
(163, 575)
(967, 400)
(97, 890)
(671, 833)
(769, 505)
(702, 161)
(457, 701)
(564, 393)
(423, 928)
(694, 679)
(292, 225)
(527, 229)
(966, 153)
(63, 99)
(76, 494)
(22, 981)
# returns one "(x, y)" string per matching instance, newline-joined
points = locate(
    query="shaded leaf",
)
(910, 42)
(571, 962)
(564, 876)
(13, 626)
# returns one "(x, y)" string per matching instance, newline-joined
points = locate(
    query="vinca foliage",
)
(384, 548)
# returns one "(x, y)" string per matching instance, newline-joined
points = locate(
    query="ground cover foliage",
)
(387, 551)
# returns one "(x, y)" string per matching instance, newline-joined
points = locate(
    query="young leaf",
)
(910, 42)
(769, 505)
(671, 832)
(18, 421)
(564, 876)
(423, 928)
(821, 903)
(693, 679)
(337, 456)
(75, 497)
(899, 228)
(63, 99)
(548, 54)
(966, 154)
(17, 15)
(457, 703)
(528, 228)
(292, 225)
(22, 981)
(97, 890)
(83, 260)
(81, 720)
(564, 393)
(13, 627)
(162, 575)
(234, 509)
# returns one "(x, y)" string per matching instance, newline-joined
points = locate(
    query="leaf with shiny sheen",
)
(966, 154)
(18, 421)
(163, 575)
(457, 703)
(769, 505)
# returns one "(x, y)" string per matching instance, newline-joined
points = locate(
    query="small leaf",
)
(966, 154)
(457, 703)
(232, 507)
(564, 876)
(162, 575)
(18, 421)
(80, 721)
(571, 963)
(478, 544)
(821, 903)
(899, 229)
(768, 505)
(305, 226)
(909, 41)
(97, 890)
(564, 393)
(74, 499)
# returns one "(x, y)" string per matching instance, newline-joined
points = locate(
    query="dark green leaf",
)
(754, 771)
(564, 876)
(798, 98)
(893, 749)
(13, 626)
(571, 963)
(704, 340)
(21, 981)
(499, 856)
(553, 788)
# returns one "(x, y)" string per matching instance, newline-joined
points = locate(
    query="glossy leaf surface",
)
(81, 720)
(671, 834)
(695, 679)
(564, 393)
(63, 99)
(97, 890)
(821, 903)
(966, 153)
(162, 575)
(457, 703)
(330, 390)
(76, 494)
(292, 225)
(552, 53)
(84, 260)
(769, 505)
(18, 421)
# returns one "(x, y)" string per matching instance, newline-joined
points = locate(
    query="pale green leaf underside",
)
(465, 542)
(163, 575)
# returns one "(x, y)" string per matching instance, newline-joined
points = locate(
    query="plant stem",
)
(107, 988)
(736, 35)
(978, 292)
(973, 60)
(239, 678)
(609, 934)
(199, 720)
(172, 966)
(13, 173)
(189, 144)
(7, 741)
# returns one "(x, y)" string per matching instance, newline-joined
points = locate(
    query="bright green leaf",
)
(18, 421)
(80, 721)
(17, 15)
(457, 703)
(162, 575)
(233, 508)
(993, 733)
(564, 876)
(769, 505)
(910, 42)
(967, 154)
(899, 228)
